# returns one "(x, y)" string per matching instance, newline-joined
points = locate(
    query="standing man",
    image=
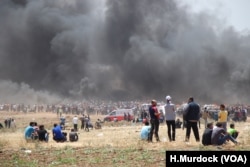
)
(192, 116)
(154, 121)
(222, 116)
(170, 118)
(75, 123)
(205, 116)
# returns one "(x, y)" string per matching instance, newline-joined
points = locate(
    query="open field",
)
(116, 144)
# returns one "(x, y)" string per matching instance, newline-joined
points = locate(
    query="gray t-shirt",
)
(217, 132)
(170, 112)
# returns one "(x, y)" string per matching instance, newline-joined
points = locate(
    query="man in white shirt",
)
(170, 118)
(75, 123)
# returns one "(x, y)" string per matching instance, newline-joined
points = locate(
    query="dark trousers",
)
(235, 135)
(82, 125)
(194, 127)
(75, 127)
(171, 124)
(154, 129)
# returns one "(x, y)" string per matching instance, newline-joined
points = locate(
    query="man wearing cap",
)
(154, 121)
(170, 118)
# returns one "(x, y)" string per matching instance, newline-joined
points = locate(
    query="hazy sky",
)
(124, 49)
(236, 12)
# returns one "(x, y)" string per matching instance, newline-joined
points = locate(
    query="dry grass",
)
(116, 144)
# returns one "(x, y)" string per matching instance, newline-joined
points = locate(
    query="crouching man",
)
(73, 136)
(58, 135)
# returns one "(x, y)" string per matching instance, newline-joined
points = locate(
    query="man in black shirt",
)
(73, 136)
(207, 134)
(43, 135)
(192, 116)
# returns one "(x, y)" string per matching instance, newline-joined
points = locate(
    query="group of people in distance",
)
(34, 132)
(217, 135)
(191, 117)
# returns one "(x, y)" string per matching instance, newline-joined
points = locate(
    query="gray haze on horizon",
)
(114, 49)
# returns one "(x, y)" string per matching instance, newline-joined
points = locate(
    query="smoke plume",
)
(133, 49)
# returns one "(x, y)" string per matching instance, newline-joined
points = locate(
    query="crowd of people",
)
(152, 118)
(212, 135)
(35, 132)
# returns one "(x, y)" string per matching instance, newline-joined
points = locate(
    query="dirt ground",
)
(113, 140)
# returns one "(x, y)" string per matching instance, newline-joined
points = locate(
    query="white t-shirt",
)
(170, 111)
(75, 120)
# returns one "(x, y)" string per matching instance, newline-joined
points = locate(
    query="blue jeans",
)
(222, 139)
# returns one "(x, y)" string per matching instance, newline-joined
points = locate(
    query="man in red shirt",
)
(154, 121)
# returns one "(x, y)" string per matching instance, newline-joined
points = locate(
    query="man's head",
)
(41, 127)
(146, 123)
(218, 124)
(210, 125)
(154, 102)
(222, 107)
(168, 98)
(191, 99)
(232, 125)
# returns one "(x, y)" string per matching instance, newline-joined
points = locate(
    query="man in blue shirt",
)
(29, 130)
(145, 131)
(58, 136)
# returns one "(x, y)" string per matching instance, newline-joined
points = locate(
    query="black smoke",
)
(133, 49)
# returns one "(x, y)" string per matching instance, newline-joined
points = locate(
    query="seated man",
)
(206, 137)
(145, 131)
(29, 131)
(58, 136)
(232, 131)
(73, 136)
(178, 123)
(43, 135)
(220, 136)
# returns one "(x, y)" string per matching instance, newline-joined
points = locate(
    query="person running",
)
(192, 116)
(170, 117)
(154, 121)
